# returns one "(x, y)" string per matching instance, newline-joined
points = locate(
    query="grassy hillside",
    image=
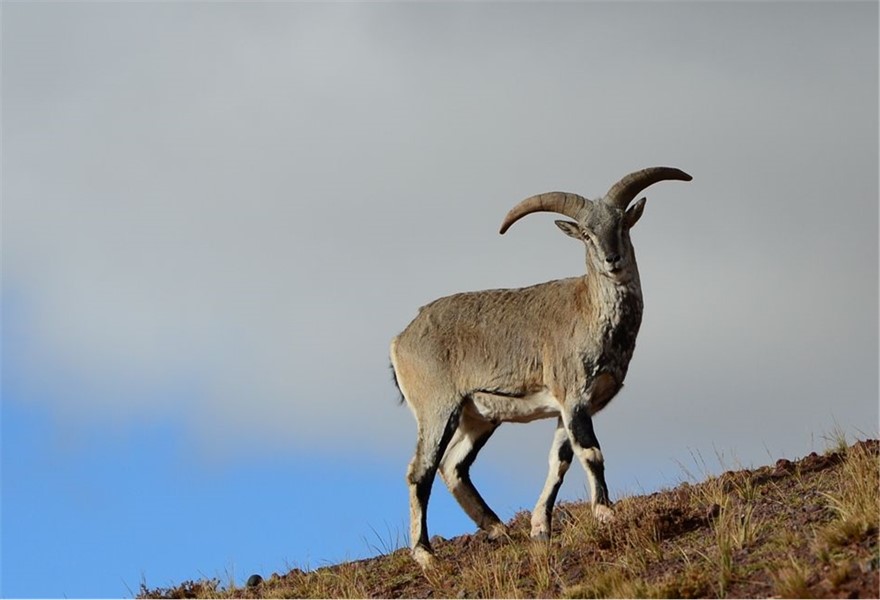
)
(799, 529)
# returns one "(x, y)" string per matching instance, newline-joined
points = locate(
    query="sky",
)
(215, 217)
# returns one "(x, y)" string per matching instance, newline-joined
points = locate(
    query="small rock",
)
(813, 508)
(462, 594)
(713, 512)
(784, 464)
(783, 468)
(437, 539)
(254, 581)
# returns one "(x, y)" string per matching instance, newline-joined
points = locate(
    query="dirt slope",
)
(801, 529)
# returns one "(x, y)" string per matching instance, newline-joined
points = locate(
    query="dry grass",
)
(792, 580)
(855, 504)
(798, 529)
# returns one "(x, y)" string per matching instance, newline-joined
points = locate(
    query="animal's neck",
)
(619, 307)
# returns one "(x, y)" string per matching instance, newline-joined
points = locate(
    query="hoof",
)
(497, 531)
(540, 536)
(424, 557)
(603, 513)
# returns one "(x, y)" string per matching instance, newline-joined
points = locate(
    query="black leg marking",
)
(566, 454)
(463, 471)
(425, 480)
(598, 470)
(448, 432)
(559, 460)
(464, 467)
(423, 493)
(581, 427)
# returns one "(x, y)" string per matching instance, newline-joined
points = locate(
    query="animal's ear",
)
(635, 212)
(570, 229)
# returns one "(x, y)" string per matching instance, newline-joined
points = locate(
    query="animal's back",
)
(488, 340)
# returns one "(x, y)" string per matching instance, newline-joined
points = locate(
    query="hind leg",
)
(472, 434)
(561, 455)
(434, 436)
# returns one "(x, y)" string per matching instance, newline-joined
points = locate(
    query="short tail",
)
(401, 400)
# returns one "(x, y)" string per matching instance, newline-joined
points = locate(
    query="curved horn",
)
(623, 192)
(564, 203)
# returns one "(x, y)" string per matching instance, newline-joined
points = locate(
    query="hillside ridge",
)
(797, 529)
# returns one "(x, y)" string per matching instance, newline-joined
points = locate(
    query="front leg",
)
(560, 459)
(586, 448)
(579, 424)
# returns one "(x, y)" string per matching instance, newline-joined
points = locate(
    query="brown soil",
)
(667, 544)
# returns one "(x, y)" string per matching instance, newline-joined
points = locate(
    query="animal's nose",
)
(612, 258)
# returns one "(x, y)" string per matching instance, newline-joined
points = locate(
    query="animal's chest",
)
(618, 328)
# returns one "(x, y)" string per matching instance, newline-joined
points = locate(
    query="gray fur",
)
(557, 349)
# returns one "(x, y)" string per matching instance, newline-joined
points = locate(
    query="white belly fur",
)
(540, 405)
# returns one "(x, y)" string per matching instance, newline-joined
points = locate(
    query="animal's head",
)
(603, 224)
